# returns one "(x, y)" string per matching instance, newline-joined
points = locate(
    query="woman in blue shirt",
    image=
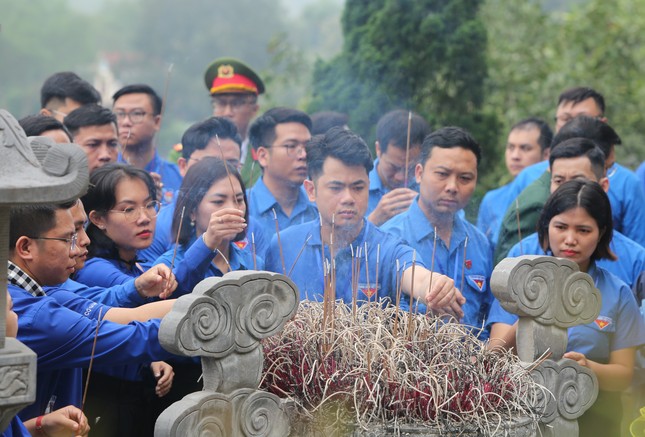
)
(576, 224)
(212, 238)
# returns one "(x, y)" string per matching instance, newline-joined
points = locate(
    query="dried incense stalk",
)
(367, 276)
(395, 330)
(277, 233)
(407, 149)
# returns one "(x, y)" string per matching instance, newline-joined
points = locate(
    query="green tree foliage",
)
(428, 56)
(534, 55)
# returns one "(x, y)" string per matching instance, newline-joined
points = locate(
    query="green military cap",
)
(228, 75)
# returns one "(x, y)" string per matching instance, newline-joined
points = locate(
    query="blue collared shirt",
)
(628, 267)
(63, 338)
(414, 228)
(491, 212)
(261, 206)
(619, 325)
(308, 270)
(170, 176)
(626, 195)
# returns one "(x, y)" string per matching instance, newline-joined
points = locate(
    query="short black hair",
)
(33, 220)
(199, 134)
(324, 120)
(589, 127)
(67, 84)
(88, 115)
(577, 147)
(579, 94)
(141, 88)
(448, 138)
(587, 195)
(198, 180)
(341, 144)
(262, 131)
(392, 129)
(546, 134)
(35, 125)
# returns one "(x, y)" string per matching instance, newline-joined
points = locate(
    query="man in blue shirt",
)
(390, 193)
(279, 138)
(447, 176)
(528, 143)
(42, 252)
(578, 158)
(138, 113)
(339, 163)
(625, 193)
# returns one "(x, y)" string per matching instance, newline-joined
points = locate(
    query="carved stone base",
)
(243, 413)
(17, 379)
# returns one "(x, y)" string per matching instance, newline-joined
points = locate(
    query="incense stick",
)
(434, 250)
(367, 276)
(89, 368)
(255, 261)
(174, 252)
(519, 229)
(463, 267)
(277, 233)
(411, 318)
(225, 260)
(299, 254)
(228, 173)
(378, 256)
(407, 149)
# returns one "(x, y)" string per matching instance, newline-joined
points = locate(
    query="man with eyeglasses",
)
(234, 88)
(138, 114)
(278, 139)
(93, 127)
(390, 193)
(60, 326)
(214, 137)
(65, 91)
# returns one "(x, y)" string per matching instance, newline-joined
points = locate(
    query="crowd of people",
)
(303, 196)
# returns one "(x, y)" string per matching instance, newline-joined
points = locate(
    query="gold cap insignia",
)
(225, 71)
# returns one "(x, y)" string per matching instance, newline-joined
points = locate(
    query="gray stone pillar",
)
(551, 295)
(223, 321)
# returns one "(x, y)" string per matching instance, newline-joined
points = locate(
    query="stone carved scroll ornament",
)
(552, 291)
(223, 321)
